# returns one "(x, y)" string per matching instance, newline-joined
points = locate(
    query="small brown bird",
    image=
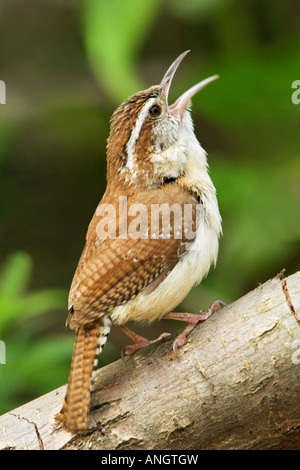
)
(154, 234)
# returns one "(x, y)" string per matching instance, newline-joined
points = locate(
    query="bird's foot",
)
(140, 341)
(192, 319)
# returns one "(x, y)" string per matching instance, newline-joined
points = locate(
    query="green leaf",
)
(15, 302)
(15, 275)
(114, 33)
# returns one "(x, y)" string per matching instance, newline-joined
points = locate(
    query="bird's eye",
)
(155, 111)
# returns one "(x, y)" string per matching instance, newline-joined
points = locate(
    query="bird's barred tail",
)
(89, 343)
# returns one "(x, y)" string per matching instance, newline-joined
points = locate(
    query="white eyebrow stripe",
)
(130, 147)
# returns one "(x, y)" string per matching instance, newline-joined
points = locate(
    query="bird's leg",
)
(140, 341)
(192, 319)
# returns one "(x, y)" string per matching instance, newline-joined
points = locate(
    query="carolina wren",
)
(154, 160)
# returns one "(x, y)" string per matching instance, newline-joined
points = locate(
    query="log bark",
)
(234, 385)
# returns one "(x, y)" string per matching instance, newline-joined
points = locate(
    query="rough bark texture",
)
(234, 385)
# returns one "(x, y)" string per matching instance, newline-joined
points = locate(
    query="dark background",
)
(67, 65)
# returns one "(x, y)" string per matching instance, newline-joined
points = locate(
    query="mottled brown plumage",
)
(112, 271)
(74, 412)
(132, 268)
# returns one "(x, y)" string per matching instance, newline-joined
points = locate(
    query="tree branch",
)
(234, 385)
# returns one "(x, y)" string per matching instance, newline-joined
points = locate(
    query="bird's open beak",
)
(180, 104)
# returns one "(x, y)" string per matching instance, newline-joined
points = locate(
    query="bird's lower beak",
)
(181, 103)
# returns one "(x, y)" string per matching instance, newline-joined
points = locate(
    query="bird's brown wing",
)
(113, 271)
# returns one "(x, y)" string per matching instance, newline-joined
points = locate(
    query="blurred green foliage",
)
(76, 62)
(24, 371)
(15, 304)
(36, 357)
(114, 33)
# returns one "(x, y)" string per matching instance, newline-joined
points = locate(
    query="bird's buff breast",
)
(192, 267)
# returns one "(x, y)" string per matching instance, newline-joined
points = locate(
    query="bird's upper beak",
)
(180, 104)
